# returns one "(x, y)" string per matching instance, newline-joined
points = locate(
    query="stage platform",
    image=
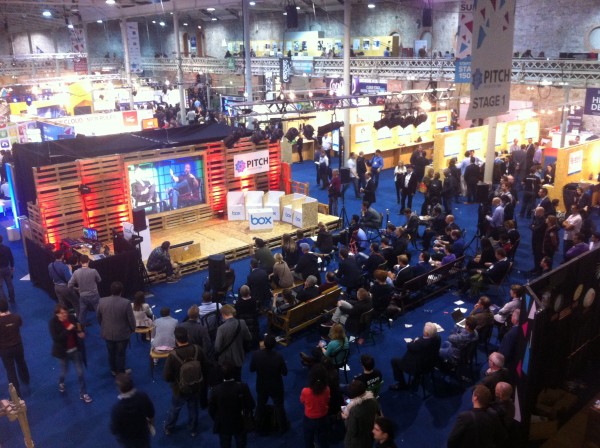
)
(220, 236)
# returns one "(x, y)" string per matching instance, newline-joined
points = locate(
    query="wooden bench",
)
(187, 257)
(424, 286)
(297, 282)
(305, 314)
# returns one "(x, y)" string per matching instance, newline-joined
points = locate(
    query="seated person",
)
(370, 218)
(400, 244)
(348, 312)
(485, 257)
(449, 256)
(281, 277)
(374, 260)
(358, 238)
(142, 190)
(458, 340)
(390, 232)
(5, 191)
(264, 255)
(423, 266)
(421, 355)
(284, 301)
(324, 241)
(411, 227)
(457, 242)
(185, 183)
(144, 318)
(160, 261)
(436, 226)
(330, 282)
(163, 337)
(387, 252)
(482, 314)
(578, 248)
(310, 290)
(370, 376)
(403, 272)
(301, 239)
(508, 344)
(308, 264)
(503, 404)
(493, 274)
(516, 294)
(349, 273)
(335, 350)
(381, 291)
(258, 282)
(207, 305)
(495, 373)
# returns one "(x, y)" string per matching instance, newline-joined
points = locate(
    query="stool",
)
(146, 331)
(156, 355)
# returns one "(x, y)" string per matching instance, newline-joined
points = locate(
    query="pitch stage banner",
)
(462, 65)
(491, 57)
(251, 163)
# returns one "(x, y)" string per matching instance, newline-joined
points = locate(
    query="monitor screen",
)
(170, 184)
(90, 234)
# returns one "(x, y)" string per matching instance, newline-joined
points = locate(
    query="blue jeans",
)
(316, 428)
(6, 276)
(177, 403)
(180, 187)
(87, 303)
(116, 355)
(75, 358)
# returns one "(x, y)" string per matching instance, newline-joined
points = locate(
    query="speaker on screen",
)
(139, 219)
(292, 16)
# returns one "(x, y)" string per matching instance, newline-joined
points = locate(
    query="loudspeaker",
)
(216, 271)
(345, 175)
(427, 18)
(483, 192)
(139, 219)
(292, 16)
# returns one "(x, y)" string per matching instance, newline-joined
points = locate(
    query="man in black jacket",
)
(471, 176)
(131, 415)
(258, 282)
(270, 368)
(310, 290)
(421, 356)
(408, 186)
(185, 351)
(198, 333)
(227, 402)
(308, 264)
(349, 272)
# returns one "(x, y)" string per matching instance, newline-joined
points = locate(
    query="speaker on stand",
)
(482, 193)
(216, 272)
(139, 219)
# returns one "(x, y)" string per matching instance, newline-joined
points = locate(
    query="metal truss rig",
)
(395, 101)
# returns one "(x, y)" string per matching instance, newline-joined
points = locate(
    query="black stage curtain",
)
(122, 267)
(29, 155)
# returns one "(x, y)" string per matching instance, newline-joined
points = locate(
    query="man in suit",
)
(421, 355)
(493, 274)
(270, 368)
(370, 218)
(369, 190)
(183, 352)
(545, 202)
(404, 273)
(374, 261)
(408, 186)
(423, 266)
(117, 322)
(471, 176)
(412, 224)
(225, 406)
(198, 333)
(310, 290)
(349, 272)
(478, 426)
(258, 282)
(229, 343)
(308, 264)
(495, 372)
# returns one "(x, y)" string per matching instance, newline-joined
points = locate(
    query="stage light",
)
(110, 2)
(258, 136)
(28, 101)
(326, 129)
(408, 120)
(292, 134)
(232, 139)
(276, 135)
(308, 132)
(47, 13)
(426, 105)
(210, 9)
(394, 121)
(421, 118)
(252, 3)
(162, 23)
(380, 124)
(99, 21)
(371, 5)
(84, 189)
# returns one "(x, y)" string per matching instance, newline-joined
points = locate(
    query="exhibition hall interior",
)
(320, 223)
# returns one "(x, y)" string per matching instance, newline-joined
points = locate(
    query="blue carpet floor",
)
(62, 420)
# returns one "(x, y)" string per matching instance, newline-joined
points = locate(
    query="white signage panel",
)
(251, 163)
(261, 219)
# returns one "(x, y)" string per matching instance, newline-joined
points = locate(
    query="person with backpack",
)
(185, 368)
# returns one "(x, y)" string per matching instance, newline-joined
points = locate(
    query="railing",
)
(577, 73)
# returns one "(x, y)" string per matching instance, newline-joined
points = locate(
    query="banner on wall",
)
(592, 101)
(285, 69)
(575, 162)
(133, 45)
(491, 57)
(462, 73)
(574, 119)
(251, 163)
(362, 133)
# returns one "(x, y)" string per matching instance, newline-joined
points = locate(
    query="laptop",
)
(459, 318)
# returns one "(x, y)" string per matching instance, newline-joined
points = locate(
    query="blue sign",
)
(592, 101)
(462, 72)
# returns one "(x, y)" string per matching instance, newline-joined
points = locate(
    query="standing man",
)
(471, 177)
(335, 191)
(11, 346)
(538, 231)
(376, 166)
(229, 343)
(197, 333)
(324, 169)
(383, 433)
(361, 170)
(186, 369)
(7, 268)
(351, 165)
(369, 190)
(61, 274)
(85, 280)
(409, 183)
(117, 322)
(270, 368)
(132, 415)
(184, 183)
(515, 146)
(572, 225)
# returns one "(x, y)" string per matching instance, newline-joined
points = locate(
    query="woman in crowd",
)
(360, 414)
(67, 345)
(281, 304)
(282, 276)
(336, 349)
(315, 399)
(142, 312)
(289, 250)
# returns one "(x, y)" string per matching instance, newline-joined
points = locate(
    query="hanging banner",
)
(285, 69)
(462, 64)
(592, 101)
(491, 57)
(77, 39)
(133, 45)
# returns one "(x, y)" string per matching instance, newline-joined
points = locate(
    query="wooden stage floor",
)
(233, 238)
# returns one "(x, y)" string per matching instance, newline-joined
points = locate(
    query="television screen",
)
(90, 234)
(165, 185)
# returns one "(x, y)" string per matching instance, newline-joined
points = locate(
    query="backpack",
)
(190, 373)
